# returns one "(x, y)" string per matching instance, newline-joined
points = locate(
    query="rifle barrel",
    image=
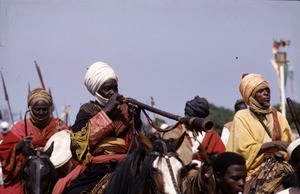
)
(152, 109)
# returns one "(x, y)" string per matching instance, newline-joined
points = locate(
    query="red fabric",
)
(12, 161)
(65, 182)
(212, 143)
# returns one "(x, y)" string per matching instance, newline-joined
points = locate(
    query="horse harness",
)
(169, 155)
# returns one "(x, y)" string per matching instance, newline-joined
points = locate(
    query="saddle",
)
(269, 175)
(100, 186)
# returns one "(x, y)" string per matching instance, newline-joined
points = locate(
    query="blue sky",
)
(171, 50)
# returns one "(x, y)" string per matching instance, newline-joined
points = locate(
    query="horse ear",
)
(177, 143)
(145, 141)
(49, 151)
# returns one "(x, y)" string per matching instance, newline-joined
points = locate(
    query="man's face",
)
(262, 96)
(41, 109)
(108, 88)
(233, 181)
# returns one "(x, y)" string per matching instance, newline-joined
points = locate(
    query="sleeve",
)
(286, 132)
(244, 140)
(10, 159)
(92, 131)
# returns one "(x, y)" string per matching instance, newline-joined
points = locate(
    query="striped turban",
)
(250, 84)
(96, 75)
(38, 94)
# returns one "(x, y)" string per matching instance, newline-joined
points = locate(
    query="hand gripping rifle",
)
(294, 114)
(198, 123)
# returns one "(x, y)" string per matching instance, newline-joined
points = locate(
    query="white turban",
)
(4, 124)
(96, 75)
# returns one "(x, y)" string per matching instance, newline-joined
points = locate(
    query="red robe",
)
(13, 161)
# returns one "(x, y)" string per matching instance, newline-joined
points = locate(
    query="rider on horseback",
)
(33, 132)
(102, 132)
(261, 135)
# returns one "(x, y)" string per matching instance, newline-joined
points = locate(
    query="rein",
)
(168, 154)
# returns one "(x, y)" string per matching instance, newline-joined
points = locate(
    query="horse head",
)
(153, 167)
(165, 163)
(38, 171)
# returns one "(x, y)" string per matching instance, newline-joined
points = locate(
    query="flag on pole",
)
(280, 65)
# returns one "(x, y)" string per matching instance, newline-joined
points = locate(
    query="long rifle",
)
(40, 75)
(6, 98)
(294, 114)
(204, 124)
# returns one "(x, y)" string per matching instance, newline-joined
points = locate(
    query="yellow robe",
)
(247, 136)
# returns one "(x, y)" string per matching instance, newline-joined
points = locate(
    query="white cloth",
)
(96, 75)
(225, 136)
(292, 146)
(195, 144)
(285, 191)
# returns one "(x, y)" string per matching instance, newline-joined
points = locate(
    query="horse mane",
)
(124, 175)
(144, 180)
(134, 173)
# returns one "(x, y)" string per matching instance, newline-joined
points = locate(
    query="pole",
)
(283, 111)
(40, 75)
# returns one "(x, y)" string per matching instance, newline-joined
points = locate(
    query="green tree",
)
(220, 116)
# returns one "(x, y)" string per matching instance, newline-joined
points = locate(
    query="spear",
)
(155, 114)
(40, 75)
(28, 86)
(6, 98)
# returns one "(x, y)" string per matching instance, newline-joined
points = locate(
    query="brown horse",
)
(154, 167)
(199, 181)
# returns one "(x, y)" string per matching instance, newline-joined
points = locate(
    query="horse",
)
(199, 181)
(197, 177)
(38, 171)
(154, 167)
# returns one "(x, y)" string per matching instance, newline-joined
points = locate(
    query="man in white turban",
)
(102, 131)
(259, 131)
(97, 74)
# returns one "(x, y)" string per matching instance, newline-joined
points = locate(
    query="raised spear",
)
(155, 114)
(40, 75)
(6, 98)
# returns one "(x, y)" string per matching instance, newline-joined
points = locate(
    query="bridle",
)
(167, 155)
(38, 158)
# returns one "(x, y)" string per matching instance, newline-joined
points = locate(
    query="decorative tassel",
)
(88, 157)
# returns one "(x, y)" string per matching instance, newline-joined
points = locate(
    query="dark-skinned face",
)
(262, 96)
(108, 88)
(233, 182)
(40, 109)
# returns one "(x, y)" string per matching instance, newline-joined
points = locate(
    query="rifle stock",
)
(294, 114)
